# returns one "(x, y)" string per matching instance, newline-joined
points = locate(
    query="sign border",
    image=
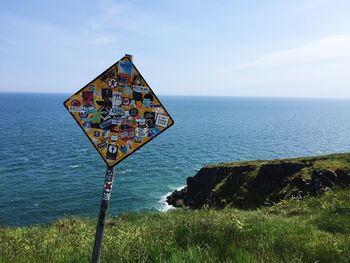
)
(114, 65)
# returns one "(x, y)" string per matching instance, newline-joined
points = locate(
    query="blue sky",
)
(276, 48)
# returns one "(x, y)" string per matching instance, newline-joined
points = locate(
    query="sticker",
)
(88, 98)
(149, 117)
(125, 67)
(129, 143)
(127, 90)
(126, 101)
(137, 95)
(137, 80)
(87, 124)
(105, 134)
(96, 133)
(147, 103)
(108, 186)
(116, 121)
(76, 109)
(83, 116)
(90, 110)
(162, 120)
(141, 132)
(106, 196)
(106, 93)
(133, 112)
(99, 101)
(104, 112)
(112, 151)
(112, 83)
(109, 176)
(105, 124)
(141, 121)
(140, 89)
(96, 118)
(132, 104)
(122, 80)
(124, 149)
(75, 103)
(127, 134)
(102, 145)
(117, 98)
(127, 124)
(148, 96)
(114, 138)
(138, 139)
(155, 131)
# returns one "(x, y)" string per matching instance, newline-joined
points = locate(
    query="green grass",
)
(316, 229)
(329, 161)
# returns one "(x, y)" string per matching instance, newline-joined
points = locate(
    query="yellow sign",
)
(118, 112)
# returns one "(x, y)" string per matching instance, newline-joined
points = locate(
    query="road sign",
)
(118, 112)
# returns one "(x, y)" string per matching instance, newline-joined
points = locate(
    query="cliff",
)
(252, 184)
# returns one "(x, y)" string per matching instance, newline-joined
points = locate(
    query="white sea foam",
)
(164, 206)
(74, 166)
(126, 171)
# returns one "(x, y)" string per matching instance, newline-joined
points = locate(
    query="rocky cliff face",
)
(257, 183)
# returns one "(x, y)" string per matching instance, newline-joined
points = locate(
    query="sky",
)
(270, 48)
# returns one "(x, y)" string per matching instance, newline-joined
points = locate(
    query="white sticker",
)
(77, 109)
(162, 120)
(141, 89)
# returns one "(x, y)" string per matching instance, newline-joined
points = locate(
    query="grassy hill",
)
(316, 229)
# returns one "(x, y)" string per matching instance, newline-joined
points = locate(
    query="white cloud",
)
(316, 69)
(324, 50)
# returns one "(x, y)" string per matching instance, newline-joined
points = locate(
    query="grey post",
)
(106, 195)
(107, 189)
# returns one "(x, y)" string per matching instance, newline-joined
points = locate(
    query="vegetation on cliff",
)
(252, 184)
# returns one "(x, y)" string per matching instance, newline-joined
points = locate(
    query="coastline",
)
(253, 184)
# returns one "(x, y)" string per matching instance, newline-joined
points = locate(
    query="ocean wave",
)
(74, 166)
(125, 171)
(164, 206)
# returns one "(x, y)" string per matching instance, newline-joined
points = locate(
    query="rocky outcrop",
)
(257, 183)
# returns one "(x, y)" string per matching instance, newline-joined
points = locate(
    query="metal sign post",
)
(119, 113)
(107, 189)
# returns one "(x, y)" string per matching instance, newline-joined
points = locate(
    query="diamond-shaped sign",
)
(118, 111)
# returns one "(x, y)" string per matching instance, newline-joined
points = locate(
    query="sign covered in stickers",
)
(118, 112)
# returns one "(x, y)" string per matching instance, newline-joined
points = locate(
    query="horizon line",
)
(195, 95)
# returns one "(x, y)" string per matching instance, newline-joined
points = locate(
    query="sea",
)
(49, 169)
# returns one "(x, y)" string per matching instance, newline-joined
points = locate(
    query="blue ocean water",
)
(49, 169)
